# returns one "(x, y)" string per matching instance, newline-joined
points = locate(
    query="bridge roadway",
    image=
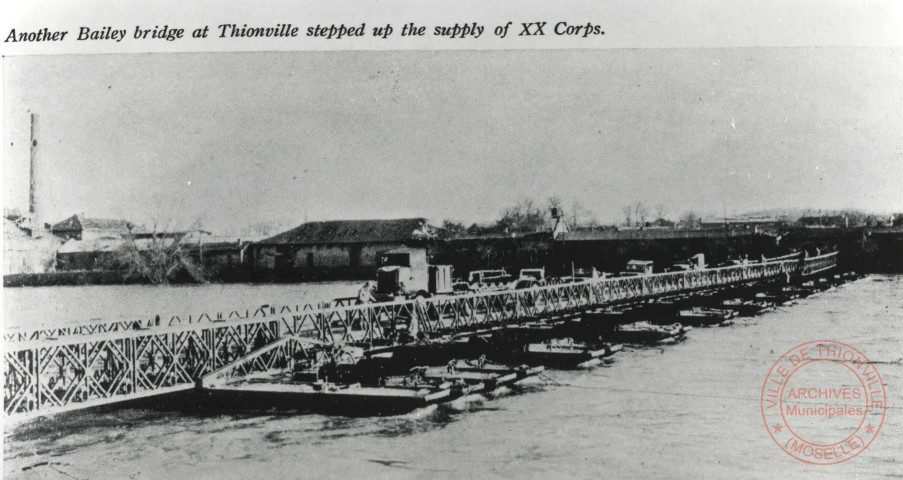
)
(89, 367)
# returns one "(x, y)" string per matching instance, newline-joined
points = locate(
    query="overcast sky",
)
(241, 138)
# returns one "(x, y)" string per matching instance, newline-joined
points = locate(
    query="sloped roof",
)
(94, 245)
(648, 234)
(111, 244)
(14, 234)
(353, 231)
(500, 236)
(106, 223)
(743, 219)
(79, 223)
(11, 230)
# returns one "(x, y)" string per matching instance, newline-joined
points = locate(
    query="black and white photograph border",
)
(534, 263)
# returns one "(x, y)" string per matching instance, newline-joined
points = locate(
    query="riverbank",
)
(869, 250)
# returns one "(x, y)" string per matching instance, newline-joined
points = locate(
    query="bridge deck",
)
(91, 367)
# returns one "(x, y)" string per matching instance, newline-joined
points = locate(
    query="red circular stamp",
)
(823, 402)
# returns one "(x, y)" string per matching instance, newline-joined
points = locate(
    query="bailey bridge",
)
(54, 370)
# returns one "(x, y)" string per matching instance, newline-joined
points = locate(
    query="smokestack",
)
(37, 228)
(31, 187)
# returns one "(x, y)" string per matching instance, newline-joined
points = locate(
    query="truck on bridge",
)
(481, 279)
(406, 272)
(696, 262)
(530, 277)
(637, 267)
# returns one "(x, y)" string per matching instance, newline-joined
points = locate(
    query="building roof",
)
(11, 230)
(218, 247)
(79, 223)
(15, 233)
(110, 244)
(355, 231)
(648, 234)
(746, 219)
(91, 246)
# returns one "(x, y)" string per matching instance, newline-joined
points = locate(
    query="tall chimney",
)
(31, 186)
(37, 228)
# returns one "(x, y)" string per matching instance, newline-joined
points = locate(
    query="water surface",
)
(682, 411)
(41, 307)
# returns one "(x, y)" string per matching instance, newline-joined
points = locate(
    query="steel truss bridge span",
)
(80, 370)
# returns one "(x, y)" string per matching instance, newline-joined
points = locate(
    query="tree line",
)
(530, 215)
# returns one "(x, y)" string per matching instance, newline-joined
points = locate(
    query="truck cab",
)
(637, 267)
(406, 272)
(537, 274)
(590, 273)
(530, 277)
(696, 262)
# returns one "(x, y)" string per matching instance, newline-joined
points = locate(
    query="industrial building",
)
(338, 248)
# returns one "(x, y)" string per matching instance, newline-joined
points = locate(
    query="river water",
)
(690, 410)
(41, 307)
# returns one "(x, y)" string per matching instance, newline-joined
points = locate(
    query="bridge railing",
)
(122, 325)
(262, 312)
(48, 375)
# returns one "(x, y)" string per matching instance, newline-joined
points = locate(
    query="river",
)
(690, 410)
(41, 307)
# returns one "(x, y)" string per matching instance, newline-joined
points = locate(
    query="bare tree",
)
(524, 216)
(262, 229)
(581, 216)
(639, 213)
(628, 212)
(453, 228)
(660, 210)
(689, 219)
(156, 257)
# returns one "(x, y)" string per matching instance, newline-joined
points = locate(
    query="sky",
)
(235, 139)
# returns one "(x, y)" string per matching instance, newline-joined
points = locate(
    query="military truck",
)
(488, 279)
(530, 277)
(589, 273)
(696, 262)
(406, 272)
(636, 268)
